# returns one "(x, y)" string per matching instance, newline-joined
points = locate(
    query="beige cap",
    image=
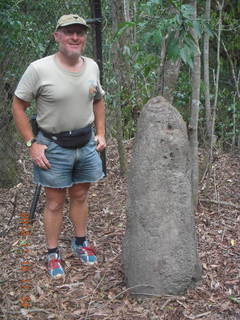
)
(69, 19)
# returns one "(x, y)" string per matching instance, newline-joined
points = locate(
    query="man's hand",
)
(37, 154)
(101, 142)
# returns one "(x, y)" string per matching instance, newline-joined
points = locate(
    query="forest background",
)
(187, 51)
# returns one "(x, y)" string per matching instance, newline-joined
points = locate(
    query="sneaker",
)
(84, 253)
(55, 269)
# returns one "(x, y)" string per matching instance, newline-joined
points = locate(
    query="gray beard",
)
(71, 54)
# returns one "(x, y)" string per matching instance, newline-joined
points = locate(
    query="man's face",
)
(71, 40)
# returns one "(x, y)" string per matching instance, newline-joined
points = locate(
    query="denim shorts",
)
(68, 166)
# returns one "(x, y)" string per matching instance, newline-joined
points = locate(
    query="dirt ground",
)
(100, 292)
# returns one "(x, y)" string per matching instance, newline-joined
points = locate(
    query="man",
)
(69, 99)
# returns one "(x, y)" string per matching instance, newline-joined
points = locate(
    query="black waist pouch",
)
(71, 139)
(34, 124)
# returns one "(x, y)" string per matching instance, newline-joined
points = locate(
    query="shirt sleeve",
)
(27, 87)
(99, 90)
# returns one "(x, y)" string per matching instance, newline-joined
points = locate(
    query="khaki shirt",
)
(64, 99)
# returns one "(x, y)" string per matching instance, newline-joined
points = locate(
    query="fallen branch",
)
(224, 203)
(167, 302)
(27, 311)
(70, 285)
(197, 316)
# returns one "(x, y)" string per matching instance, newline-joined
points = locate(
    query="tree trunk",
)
(117, 9)
(193, 124)
(126, 7)
(206, 72)
(169, 76)
(168, 71)
(213, 139)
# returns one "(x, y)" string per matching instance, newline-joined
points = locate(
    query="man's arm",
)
(19, 107)
(36, 151)
(99, 114)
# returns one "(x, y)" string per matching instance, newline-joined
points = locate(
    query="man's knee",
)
(79, 193)
(55, 206)
(80, 196)
(55, 199)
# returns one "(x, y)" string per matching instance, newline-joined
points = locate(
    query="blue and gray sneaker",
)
(86, 254)
(55, 269)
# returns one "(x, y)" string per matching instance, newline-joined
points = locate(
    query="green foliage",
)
(28, 28)
(153, 23)
(156, 22)
(227, 113)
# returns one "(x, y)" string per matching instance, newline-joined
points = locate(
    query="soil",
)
(100, 292)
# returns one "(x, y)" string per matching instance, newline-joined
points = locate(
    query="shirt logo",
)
(92, 89)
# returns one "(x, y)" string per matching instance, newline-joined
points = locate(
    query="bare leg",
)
(53, 215)
(78, 213)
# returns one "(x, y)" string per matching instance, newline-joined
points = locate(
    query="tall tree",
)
(119, 71)
(214, 108)
(169, 74)
(193, 124)
(169, 69)
(206, 72)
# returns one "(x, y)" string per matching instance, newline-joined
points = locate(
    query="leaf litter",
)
(100, 292)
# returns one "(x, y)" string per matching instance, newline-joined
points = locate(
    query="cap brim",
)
(69, 24)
